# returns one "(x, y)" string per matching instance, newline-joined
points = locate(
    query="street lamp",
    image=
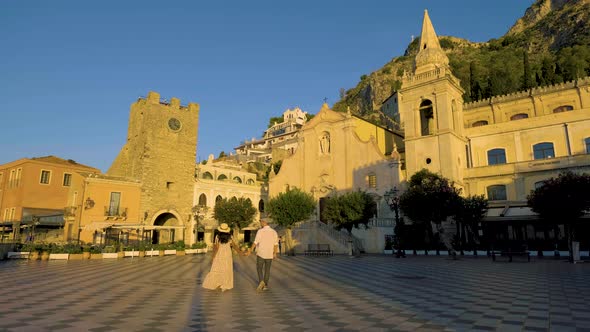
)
(198, 211)
(392, 198)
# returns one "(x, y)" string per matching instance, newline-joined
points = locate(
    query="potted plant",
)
(45, 250)
(36, 250)
(95, 252)
(131, 251)
(152, 249)
(21, 251)
(180, 248)
(200, 247)
(110, 252)
(74, 250)
(193, 249)
(141, 249)
(86, 252)
(169, 249)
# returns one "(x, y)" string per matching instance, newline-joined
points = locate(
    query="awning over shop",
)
(104, 225)
(510, 212)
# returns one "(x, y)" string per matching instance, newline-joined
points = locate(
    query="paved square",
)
(371, 293)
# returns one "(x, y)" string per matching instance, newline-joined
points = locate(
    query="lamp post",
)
(198, 212)
(392, 198)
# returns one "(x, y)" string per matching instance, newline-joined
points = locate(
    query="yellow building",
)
(503, 147)
(103, 210)
(37, 188)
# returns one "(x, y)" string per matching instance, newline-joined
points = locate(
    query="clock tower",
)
(160, 153)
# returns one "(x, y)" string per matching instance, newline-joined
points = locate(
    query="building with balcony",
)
(104, 209)
(278, 141)
(33, 195)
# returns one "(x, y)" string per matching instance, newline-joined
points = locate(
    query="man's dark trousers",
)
(263, 263)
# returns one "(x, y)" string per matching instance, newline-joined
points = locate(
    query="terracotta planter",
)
(180, 253)
(161, 253)
(34, 255)
(76, 256)
(95, 256)
(141, 254)
(86, 255)
(45, 255)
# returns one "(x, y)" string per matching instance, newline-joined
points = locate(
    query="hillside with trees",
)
(550, 44)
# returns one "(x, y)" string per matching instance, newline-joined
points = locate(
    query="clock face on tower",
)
(174, 124)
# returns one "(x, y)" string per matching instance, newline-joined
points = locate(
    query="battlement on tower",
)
(174, 103)
(528, 93)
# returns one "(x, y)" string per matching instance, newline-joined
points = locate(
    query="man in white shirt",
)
(266, 244)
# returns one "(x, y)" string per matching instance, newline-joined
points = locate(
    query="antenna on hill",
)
(325, 100)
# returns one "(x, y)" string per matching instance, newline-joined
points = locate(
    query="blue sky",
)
(69, 70)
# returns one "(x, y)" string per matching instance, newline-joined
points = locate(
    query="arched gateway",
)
(167, 228)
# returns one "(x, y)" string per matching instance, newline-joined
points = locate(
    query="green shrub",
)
(109, 249)
(179, 245)
(72, 248)
(95, 250)
(199, 245)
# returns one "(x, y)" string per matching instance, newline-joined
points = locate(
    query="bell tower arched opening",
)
(426, 118)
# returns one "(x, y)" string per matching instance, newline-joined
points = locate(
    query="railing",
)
(382, 222)
(341, 236)
(115, 212)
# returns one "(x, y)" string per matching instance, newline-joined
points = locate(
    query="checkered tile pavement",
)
(371, 293)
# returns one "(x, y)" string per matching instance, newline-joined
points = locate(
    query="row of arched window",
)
(203, 201)
(519, 116)
(223, 177)
(542, 150)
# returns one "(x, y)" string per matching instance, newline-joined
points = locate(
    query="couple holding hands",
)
(221, 275)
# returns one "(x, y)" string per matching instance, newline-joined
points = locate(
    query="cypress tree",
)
(526, 82)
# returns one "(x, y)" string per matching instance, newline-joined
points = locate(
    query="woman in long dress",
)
(221, 274)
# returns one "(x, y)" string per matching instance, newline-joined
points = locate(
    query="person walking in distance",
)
(266, 244)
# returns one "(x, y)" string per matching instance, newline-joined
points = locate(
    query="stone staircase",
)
(314, 231)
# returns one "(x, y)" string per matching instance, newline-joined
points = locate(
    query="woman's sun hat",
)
(223, 228)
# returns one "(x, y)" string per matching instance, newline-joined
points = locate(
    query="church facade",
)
(501, 148)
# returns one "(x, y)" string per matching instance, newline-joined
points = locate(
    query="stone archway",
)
(165, 235)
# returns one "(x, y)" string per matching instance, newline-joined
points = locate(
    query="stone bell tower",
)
(431, 108)
(160, 152)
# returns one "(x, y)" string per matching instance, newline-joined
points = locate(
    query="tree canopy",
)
(290, 207)
(564, 198)
(471, 211)
(429, 198)
(236, 212)
(349, 210)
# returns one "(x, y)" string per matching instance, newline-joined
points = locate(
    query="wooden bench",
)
(314, 249)
(510, 254)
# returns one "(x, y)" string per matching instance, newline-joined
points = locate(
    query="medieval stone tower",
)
(160, 152)
(431, 108)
